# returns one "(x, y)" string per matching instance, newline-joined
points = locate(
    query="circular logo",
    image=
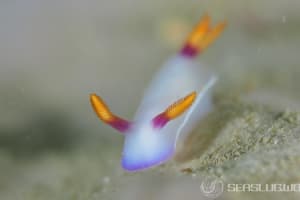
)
(211, 187)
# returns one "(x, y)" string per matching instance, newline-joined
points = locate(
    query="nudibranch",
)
(177, 98)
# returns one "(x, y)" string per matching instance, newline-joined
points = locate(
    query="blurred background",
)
(53, 54)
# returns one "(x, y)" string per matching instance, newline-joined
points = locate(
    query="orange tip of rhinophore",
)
(212, 35)
(101, 108)
(199, 32)
(180, 106)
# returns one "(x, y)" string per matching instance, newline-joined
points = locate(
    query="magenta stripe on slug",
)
(120, 125)
(132, 164)
(189, 51)
(160, 121)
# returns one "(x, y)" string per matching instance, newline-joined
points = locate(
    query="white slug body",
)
(146, 146)
(164, 116)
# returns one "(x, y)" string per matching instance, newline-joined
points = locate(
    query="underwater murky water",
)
(53, 54)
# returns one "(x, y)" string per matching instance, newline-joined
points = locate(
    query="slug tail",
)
(201, 37)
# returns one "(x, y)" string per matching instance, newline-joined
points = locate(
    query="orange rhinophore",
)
(174, 110)
(212, 35)
(201, 37)
(106, 115)
(199, 32)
